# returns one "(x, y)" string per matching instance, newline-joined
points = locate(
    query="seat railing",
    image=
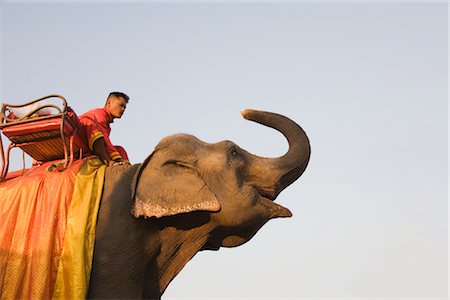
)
(9, 118)
(7, 109)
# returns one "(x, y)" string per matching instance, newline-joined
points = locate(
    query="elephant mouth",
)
(267, 193)
(265, 197)
(271, 210)
(264, 209)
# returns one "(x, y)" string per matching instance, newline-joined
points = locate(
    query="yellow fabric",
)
(114, 155)
(74, 269)
(95, 137)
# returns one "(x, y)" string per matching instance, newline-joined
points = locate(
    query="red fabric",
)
(54, 123)
(35, 126)
(97, 125)
(122, 152)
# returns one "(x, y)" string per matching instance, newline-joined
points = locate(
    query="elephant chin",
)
(233, 241)
(272, 210)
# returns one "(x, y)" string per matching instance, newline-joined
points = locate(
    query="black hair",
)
(120, 94)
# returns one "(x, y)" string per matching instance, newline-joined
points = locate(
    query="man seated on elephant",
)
(97, 128)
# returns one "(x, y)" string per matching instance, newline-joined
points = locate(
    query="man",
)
(97, 128)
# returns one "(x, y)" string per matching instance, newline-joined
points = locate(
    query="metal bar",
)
(66, 150)
(64, 102)
(5, 171)
(2, 154)
(28, 115)
(2, 115)
(23, 163)
(5, 107)
(71, 148)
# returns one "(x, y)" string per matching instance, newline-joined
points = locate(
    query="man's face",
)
(116, 106)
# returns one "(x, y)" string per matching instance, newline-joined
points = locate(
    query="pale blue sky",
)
(367, 81)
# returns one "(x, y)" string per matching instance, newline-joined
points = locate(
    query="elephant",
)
(187, 196)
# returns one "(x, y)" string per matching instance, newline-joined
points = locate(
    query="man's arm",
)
(100, 149)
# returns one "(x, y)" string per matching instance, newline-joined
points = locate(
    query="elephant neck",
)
(177, 248)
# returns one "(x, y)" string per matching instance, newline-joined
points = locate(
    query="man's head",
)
(116, 104)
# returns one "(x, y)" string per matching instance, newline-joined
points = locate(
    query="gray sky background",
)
(367, 81)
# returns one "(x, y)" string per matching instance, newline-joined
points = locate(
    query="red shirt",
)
(96, 123)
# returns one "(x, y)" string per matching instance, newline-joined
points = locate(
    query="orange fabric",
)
(97, 125)
(33, 227)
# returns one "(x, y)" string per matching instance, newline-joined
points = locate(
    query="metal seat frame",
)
(61, 112)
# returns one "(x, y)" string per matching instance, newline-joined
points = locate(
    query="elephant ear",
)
(170, 188)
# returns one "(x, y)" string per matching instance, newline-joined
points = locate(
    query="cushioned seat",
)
(45, 137)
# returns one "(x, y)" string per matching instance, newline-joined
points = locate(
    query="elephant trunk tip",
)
(246, 113)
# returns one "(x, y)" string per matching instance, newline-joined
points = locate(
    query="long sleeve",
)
(96, 123)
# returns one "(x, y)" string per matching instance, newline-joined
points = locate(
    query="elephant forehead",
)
(180, 144)
(181, 138)
(213, 160)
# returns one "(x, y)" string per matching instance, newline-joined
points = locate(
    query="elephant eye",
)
(233, 152)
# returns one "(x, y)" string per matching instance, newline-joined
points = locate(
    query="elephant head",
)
(185, 174)
(188, 196)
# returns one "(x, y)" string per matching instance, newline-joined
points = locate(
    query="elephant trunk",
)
(271, 175)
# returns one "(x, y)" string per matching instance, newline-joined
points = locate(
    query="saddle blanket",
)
(47, 231)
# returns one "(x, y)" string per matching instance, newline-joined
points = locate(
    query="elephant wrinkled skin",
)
(187, 196)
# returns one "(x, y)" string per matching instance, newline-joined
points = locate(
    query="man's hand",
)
(118, 163)
(100, 150)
